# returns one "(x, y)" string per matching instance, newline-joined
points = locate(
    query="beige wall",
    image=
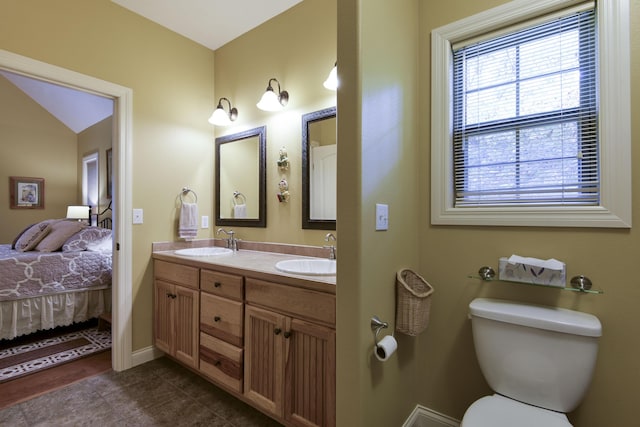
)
(172, 82)
(298, 48)
(33, 143)
(96, 139)
(377, 163)
(438, 369)
(449, 375)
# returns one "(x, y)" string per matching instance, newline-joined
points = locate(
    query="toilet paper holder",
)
(376, 326)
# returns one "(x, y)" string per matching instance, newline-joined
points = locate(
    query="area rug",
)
(27, 358)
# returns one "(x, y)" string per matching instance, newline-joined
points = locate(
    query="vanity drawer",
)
(221, 361)
(300, 302)
(176, 273)
(222, 318)
(225, 285)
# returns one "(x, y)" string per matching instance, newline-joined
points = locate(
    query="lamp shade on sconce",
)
(331, 82)
(78, 212)
(272, 101)
(220, 117)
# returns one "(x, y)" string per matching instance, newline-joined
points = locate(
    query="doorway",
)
(122, 125)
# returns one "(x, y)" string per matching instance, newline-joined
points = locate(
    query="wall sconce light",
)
(332, 81)
(220, 116)
(78, 212)
(272, 102)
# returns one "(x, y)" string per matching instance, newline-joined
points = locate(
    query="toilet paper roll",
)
(385, 348)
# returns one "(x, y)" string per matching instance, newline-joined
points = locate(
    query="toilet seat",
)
(500, 411)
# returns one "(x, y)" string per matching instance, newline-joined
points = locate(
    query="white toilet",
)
(539, 360)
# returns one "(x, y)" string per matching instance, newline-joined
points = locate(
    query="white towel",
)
(188, 228)
(240, 211)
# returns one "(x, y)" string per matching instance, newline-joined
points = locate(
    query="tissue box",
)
(535, 274)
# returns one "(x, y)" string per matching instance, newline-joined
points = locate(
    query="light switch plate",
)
(205, 221)
(138, 217)
(382, 217)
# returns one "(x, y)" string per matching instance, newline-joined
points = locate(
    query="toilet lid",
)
(499, 411)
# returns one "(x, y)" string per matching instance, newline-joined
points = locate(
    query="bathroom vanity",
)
(265, 336)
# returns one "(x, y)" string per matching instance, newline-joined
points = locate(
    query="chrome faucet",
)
(332, 248)
(232, 242)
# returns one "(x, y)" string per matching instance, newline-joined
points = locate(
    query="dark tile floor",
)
(157, 393)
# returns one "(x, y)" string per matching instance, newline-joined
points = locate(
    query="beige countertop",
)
(253, 264)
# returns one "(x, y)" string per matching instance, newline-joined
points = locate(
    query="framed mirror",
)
(241, 178)
(319, 166)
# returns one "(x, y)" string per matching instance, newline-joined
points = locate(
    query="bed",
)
(55, 273)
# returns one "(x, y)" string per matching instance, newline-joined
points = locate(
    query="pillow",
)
(104, 245)
(13, 245)
(82, 239)
(61, 230)
(32, 236)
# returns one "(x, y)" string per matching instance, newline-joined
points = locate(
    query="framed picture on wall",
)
(26, 192)
(109, 173)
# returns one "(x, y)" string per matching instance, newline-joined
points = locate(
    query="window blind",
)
(525, 128)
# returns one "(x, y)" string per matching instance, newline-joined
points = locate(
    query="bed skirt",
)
(20, 317)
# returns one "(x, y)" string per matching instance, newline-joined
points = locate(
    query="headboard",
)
(103, 221)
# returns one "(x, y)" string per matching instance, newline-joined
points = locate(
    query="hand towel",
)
(240, 211)
(188, 227)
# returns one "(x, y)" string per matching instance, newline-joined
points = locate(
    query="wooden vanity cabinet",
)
(290, 352)
(271, 345)
(221, 328)
(177, 302)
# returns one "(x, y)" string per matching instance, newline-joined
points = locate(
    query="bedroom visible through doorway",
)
(122, 129)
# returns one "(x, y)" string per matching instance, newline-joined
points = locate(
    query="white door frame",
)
(122, 146)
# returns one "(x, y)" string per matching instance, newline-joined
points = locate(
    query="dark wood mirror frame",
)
(307, 221)
(261, 221)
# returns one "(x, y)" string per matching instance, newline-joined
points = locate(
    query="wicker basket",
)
(413, 302)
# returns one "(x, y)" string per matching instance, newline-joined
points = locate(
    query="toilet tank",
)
(543, 356)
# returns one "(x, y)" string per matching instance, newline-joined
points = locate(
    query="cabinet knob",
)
(216, 319)
(217, 284)
(217, 363)
(277, 331)
(288, 334)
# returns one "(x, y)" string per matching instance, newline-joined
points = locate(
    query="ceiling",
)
(211, 23)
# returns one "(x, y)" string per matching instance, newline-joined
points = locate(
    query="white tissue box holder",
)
(524, 273)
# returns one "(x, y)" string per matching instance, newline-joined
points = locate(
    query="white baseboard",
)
(145, 355)
(425, 417)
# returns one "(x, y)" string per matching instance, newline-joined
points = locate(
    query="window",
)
(520, 134)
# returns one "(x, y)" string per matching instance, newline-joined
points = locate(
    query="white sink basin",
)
(309, 267)
(210, 251)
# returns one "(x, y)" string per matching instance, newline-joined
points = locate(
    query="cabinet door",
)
(164, 316)
(265, 347)
(186, 305)
(310, 375)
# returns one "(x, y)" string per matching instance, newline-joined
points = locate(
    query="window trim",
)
(614, 210)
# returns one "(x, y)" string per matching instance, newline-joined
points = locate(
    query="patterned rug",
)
(27, 358)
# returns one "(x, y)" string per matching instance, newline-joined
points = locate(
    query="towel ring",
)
(238, 195)
(187, 190)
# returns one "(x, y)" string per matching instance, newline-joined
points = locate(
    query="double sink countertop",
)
(256, 260)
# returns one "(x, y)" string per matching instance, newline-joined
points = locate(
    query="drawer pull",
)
(216, 319)
(217, 284)
(277, 331)
(288, 334)
(171, 295)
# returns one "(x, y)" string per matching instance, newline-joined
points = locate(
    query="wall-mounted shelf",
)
(578, 283)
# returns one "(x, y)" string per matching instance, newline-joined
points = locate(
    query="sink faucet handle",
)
(332, 248)
(232, 242)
